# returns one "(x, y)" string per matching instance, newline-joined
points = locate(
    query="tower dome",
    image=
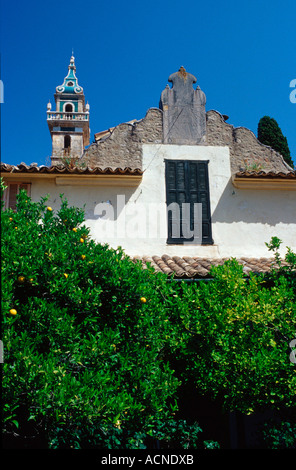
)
(70, 84)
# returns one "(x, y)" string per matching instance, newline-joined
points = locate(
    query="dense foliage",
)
(97, 349)
(83, 330)
(235, 338)
(269, 133)
(280, 435)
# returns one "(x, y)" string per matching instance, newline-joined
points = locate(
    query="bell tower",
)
(69, 123)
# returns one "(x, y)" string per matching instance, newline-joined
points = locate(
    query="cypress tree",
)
(269, 133)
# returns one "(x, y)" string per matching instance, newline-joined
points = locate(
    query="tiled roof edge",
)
(199, 268)
(58, 169)
(263, 174)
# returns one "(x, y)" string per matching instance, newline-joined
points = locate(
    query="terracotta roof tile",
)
(62, 169)
(268, 174)
(199, 268)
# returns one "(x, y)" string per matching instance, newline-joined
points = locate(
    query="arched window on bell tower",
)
(67, 144)
(68, 110)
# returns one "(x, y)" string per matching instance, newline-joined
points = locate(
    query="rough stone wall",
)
(123, 147)
(58, 151)
(246, 152)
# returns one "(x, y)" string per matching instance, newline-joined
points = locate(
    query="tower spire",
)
(69, 124)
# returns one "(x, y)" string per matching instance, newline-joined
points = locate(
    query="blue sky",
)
(242, 53)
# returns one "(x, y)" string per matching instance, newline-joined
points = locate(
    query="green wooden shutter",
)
(204, 199)
(187, 181)
(176, 195)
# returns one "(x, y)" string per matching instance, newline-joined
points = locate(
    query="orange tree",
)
(97, 350)
(84, 330)
(236, 337)
(237, 342)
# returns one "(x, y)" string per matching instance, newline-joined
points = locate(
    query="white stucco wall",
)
(242, 220)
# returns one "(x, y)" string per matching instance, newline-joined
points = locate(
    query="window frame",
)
(6, 195)
(207, 221)
(68, 103)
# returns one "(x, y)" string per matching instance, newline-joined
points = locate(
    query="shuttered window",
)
(12, 191)
(187, 182)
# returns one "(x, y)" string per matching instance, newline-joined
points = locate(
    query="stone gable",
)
(122, 146)
(246, 152)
